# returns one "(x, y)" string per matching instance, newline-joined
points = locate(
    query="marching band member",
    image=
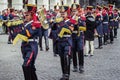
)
(99, 26)
(65, 40)
(111, 23)
(29, 46)
(116, 23)
(44, 29)
(54, 28)
(78, 38)
(105, 24)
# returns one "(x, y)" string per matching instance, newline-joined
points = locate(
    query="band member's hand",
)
(33, 28)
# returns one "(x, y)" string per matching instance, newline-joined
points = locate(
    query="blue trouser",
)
(44, 33)
(105, 32)
(64, 50)
(77, 50)
(111, 26)
(10, 37)
(53, 36)
(116, 25)
(100, 34)
(29, 52)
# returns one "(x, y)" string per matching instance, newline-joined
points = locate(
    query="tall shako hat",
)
(98, 7)
(31, 8)
(57, 7)
(105, 7)
(75, 6)
(64, 8)
(89, 7)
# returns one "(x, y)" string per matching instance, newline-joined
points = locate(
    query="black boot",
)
(75, 69)
(99, 43)
(65, 64)
(111, 37)
(81, 61)
(33, 74)
(40, 43)
(105, 39)
(65, 77)
(27, 73)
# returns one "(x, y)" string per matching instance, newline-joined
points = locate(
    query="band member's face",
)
(28, 17)
(97, 11)
(63, 14)
(75, 12)
(89, 10)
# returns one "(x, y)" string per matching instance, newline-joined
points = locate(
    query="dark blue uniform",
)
(105, 27)
(78, 45)
(111, 26)
(116, 24)
(64, 47)
(29, 51)
(53, 35)
(99, 29)
(10, 29)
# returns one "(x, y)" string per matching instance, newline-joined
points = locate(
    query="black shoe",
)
(47, 48)
(65, 77)
(100, 47)
(41, 49)
(75, 69)
(91, 55)
(111, 42)
(9, 42)
(55, 55)
(105, 43)
(115, 36)
(86, 55)
(81, 69)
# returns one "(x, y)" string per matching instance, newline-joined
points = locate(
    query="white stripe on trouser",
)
(88, 45)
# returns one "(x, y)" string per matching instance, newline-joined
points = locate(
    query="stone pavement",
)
(104, 65)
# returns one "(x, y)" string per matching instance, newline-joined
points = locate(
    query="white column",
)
(39, 3)
(77, 1)
(17, 4)
(31, 1)
(52, 3)
(58, 1)
(3, 4)
(43, 2)
(69, 2)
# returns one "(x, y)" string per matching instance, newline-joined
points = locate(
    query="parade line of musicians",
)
(72, 30)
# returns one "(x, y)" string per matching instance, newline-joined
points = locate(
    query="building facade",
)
(19, 4)
(49, 4)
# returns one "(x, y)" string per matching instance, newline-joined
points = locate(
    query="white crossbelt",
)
(105, 22)
(75, 32)
(32, 39)
(66, 35)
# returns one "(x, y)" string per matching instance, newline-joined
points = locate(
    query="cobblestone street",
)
(104, 65)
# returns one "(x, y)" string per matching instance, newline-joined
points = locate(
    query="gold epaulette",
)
(59, 19)
(63, 30)
(1, 23)
(82, 28)
(14, 23)
(8, 23)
